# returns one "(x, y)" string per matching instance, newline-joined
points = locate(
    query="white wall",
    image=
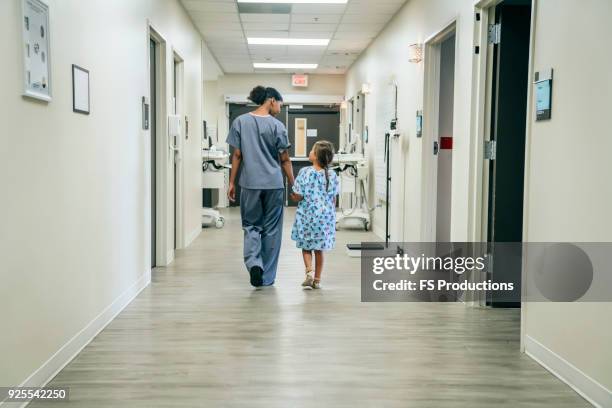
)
(386, 59)
(75, 206)
(568, 193)
(212, 70)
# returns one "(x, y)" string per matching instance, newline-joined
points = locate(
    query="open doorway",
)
(445, 139)
(508, 32)
(308, 124)
(438, 110)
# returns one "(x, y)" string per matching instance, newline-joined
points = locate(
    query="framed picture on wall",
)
(80, 90)
(36, 45)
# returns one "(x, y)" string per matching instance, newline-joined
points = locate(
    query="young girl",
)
(314, 229)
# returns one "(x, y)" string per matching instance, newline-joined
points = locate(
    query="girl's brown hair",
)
(324, 152)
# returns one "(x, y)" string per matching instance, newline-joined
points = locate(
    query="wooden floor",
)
(199, 336)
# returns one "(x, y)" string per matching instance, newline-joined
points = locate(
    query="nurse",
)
(261, 147)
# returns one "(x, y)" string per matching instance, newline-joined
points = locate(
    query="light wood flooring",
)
(200, 336)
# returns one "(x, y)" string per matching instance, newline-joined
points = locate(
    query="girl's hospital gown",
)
(315, 219)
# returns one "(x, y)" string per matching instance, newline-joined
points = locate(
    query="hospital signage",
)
(299, 80)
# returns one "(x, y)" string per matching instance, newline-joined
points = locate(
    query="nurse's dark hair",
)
(324, 152)
(261, 94)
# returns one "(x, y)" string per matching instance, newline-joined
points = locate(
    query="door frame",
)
(481, 119)
(481, 129)
(431, 105)
(178, 203)
(164, 188)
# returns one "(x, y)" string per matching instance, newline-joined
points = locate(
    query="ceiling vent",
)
(264, 8)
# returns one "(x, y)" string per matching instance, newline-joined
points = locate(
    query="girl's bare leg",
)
(318, 265)
(307, 255)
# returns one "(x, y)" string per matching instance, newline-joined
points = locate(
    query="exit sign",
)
(299, 81)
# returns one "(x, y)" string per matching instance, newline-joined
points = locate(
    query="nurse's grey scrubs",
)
(261, 139)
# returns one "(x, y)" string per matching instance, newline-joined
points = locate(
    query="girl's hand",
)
(296, 197)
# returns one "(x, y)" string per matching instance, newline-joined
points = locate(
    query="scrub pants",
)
(262, 223)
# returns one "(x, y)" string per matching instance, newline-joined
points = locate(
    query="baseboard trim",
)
(77, 343)
(587, 387)
(194, 234)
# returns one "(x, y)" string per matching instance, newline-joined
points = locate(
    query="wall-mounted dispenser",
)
(174, 132)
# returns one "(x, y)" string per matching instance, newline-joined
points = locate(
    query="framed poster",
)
(36, 50)
(80, 90)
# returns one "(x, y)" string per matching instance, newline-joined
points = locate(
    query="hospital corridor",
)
(305, 203)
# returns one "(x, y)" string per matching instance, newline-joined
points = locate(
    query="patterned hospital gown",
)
(315, 220)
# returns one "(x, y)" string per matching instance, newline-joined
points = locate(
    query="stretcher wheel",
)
(366, 225)
(219, 222)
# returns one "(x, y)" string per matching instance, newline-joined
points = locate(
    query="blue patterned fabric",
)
(315, 220)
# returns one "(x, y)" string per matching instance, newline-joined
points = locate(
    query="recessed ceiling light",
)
(288, 41)
(284, 65)
(296, 1)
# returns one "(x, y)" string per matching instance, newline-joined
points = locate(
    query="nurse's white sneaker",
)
(316, 284)
(309, 279)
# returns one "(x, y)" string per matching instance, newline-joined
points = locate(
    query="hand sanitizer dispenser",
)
(174, 132)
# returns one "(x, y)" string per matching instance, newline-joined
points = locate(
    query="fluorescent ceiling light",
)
(296, 1)
(287, 41)
(283, 65)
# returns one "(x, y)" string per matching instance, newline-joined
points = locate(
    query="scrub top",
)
(260, 139)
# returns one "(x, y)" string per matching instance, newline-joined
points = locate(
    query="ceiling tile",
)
(213, 7)
(257, 26)
(268, 50)
(372, 8)
(199, 4)
(366, 18)
(264, 19)
(313, 27)
(352, 26)
(291, 59)
(264, 8)
(267, 34)
(215, 17)
(305, 52)
(316, 18)
(311, 34)
(348, 45)
(318, 8)
(336, 53)
(358, 35)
